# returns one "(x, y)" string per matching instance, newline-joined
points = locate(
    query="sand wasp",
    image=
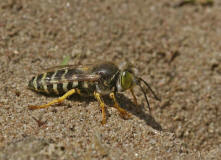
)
(91, 80)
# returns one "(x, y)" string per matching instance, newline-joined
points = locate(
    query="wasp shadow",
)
(138, 111)
(124, 103)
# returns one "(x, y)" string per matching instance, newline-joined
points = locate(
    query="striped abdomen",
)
(53, 82)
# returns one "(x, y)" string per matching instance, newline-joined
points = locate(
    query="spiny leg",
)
(102, 105)
(124, 114)
(135, 99)
(58, 100)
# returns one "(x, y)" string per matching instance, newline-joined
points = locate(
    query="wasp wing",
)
(61, 67)
(74, 77)
(69, 73)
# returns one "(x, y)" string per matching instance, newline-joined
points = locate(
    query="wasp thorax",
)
(126, 81)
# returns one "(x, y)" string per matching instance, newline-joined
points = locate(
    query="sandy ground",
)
(176, 49)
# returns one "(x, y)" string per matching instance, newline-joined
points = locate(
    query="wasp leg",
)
(135, 99)
(78, 91)
(58, 100)
(102, 105)
(124, 114)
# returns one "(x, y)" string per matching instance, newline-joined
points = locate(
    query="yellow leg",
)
(58, 100)
(135, 99)
(124, 114)
(102, 105)
(78, 91)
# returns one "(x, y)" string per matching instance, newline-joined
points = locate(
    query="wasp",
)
(90, 80)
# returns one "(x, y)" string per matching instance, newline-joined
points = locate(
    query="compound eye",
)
(126, 80)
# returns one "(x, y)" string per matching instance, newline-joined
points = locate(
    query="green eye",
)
(126, 80)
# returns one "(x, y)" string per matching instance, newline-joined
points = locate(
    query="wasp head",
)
(127, 80)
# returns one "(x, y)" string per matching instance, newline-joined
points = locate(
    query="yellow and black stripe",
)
(53, 82)
(91, 80)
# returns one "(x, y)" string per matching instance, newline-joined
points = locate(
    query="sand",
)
(175, 48)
